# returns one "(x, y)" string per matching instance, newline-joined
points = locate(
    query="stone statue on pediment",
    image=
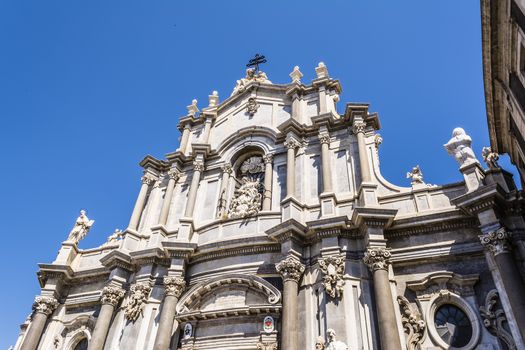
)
(251, 75)
(460, 147)
(81, 228)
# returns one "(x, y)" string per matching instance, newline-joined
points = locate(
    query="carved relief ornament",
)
(497, 241)
(267, 345)
(174, 286)
(45, 305)
(333, 268)
(268, 158)
(227, 168)
(291, 143)
(324, 139)
(290, 269)
(494, 319)
(111, 295)
(377, 258)
(147, 180)
(252, 106)
(413, 324)
(138, 296)
(173, 175)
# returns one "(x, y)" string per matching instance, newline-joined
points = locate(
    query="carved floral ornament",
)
(174, 286)
(413, 324)
(291, 143)
(268, 158)
(45, 305)
(227, 168)
(290, 269)
(494, 319)
(324, 139)
(147, 180)
(139, 293)
(377, 258)
(267, 345)
(497, 241)
(111, 295)
(173, 175)
(333, 268)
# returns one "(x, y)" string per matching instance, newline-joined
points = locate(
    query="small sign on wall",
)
(268, 324)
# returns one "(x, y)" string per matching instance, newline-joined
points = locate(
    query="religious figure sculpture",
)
(490, 158)
(252, 106)
(416, 175)
(334, 344)
(459, 146)
(251, 75)
(319, 343)
(115, 237)
(81, 228)
(247, 199)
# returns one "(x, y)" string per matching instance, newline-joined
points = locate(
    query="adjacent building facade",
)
(271, 227)
(503, 29)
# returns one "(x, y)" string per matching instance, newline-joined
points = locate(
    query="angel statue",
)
(459, 146)
(81, 228)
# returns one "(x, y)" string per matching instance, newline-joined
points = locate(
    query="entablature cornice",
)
(360, 110)
(437, 222)
(179, 250)
(240, 250)
(329, 83)
(59, 272)
(230, 312)
(373, 217)
(288, 230)
(149, 256)
(117, 258)
(154, 163)
(485, 197)
(444, 281)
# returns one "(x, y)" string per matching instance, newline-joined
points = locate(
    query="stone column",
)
(109, 299)
(174, 176)
(359, 130)
(43, 307)
(207, 129)
(325, 160)
(378, 260)
(226, 172)
(141, 200)
(291, 144)
(184, 139)
(268, 172)
(291, 271)
(498, 244)
(174, 287)
(198, 168)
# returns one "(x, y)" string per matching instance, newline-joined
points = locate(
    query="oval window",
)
(453, 325)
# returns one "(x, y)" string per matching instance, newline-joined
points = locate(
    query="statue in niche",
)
(459, 146)
(247, 198)
(81, 228)
(334, 344)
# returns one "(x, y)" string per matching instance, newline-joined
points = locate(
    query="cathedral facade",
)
(271, 227)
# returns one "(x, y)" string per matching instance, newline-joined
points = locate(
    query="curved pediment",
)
(233, 294)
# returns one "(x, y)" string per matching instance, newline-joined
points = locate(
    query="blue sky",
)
(87, 89)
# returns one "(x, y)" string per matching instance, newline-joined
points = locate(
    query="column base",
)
(185, 230)
(327, 201)
(68, 251)
(367, 196)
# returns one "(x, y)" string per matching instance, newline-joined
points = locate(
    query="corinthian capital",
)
(325, 138)
(359, 126)
(173, 174)
(148, 180)
(496, 242)
(268, 158)
(290, 269)
(198, 166)
(377, 258)
(174, 286)
(111, 295)
(291, 143)
(227, 168)
(45, 305)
